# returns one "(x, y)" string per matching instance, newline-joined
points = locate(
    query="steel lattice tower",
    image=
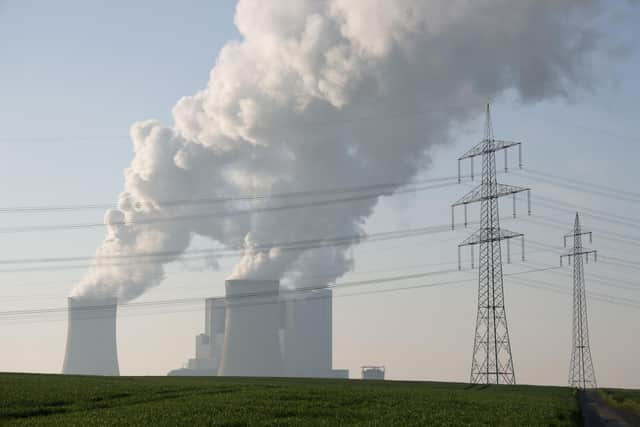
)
(492, 361)
(581, 372)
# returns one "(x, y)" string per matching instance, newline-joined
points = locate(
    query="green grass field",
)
(628, 400)
(79, 401)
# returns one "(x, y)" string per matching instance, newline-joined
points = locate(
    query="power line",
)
(295, 244)
(586, 184)
(605, 217)
(161, 257)
(606, 234)
(240, 198)
(592, 213)
(164, 257)
(598, 297)
(601, 279)
(15, 314)
(297, 280)
(217, 214)
(576, 187)
(609, 260)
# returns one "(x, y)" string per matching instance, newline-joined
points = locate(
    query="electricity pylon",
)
(581, 372)
(492, 361)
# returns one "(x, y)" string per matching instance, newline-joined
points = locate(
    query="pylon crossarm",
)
(476, 195)
(579, 253)
(493, 146)
(486, 236)
(578, 234)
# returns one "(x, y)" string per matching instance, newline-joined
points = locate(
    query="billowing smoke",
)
(326, 94)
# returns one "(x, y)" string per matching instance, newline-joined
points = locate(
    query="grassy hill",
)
(68, 401)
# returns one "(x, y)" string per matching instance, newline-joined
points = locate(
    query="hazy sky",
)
(74, 75)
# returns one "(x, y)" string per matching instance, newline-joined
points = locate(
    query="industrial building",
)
(342, 374)
(259, 330)
(91, 338)
(215, 316)
(255, 330)
(373, 372)
(209, 344)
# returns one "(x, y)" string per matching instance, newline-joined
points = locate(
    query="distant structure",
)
(373, 372)
(342, 374)
(294, 326)
(252, 329)
(209, 344)
(308, 334)
(215, 317)
(492, 361)
(91, 338)
(581, 372)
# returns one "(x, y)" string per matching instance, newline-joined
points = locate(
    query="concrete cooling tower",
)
(91, 338)
(308, 334)
(251, 341)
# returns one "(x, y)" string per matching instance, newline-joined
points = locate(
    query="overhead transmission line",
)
(606, 234)
(607, 259)
(297, 280)
(218, 214)
(592, 295)
(13, 314)
(168, 256)
(589, 188)
(295, 244)
(592, 213)
(443, 182)
(596, 214)
(585, 184)
(41, 315)
(240, 198)
(600, 279)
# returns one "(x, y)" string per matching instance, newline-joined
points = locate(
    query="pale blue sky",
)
(74, 75)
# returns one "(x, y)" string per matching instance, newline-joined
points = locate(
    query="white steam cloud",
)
(324, 94)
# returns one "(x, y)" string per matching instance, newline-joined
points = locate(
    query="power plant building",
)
(255, 330)
(252, 329)
(259, 330)
(209, 344)
(91, 338)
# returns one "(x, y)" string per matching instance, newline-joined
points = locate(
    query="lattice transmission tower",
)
(492, 361)
(581, 372)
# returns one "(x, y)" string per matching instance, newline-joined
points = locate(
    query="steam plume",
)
(327, 94)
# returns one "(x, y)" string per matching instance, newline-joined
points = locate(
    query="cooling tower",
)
(91, 338)
(251, 340)
(308, 335)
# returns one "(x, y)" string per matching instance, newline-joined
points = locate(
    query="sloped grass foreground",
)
(628, 400)
(173, 401)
